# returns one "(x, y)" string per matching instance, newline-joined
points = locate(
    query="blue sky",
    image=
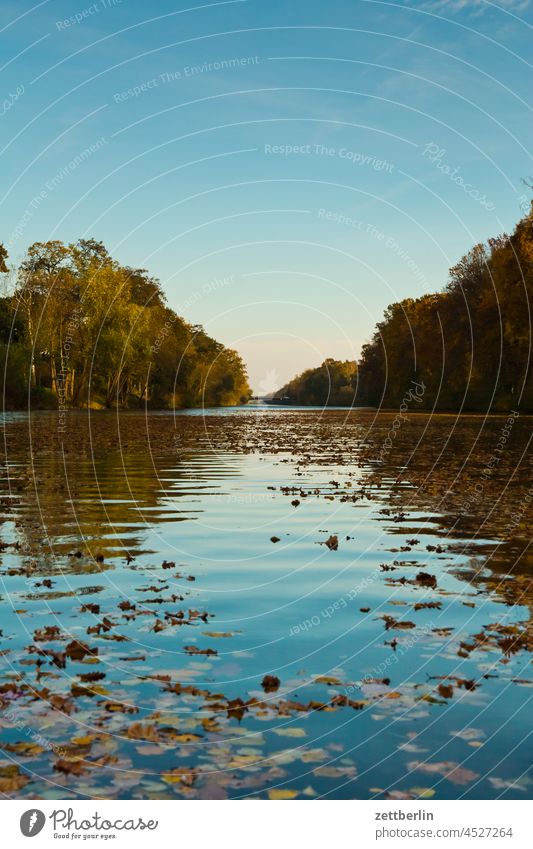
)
(287, 169)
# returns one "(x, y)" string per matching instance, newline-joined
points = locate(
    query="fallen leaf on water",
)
(210, 724)
(270, 683)
(70, 767)
(448, 769)
(334, 771)
(276, 794)
(77, 650)
(507, 784)
(217, 635)
(412, 747)
(314, 756)
(120, 707)
(399, 624)
(426, 580)
(243, 761)
(83, 741)
(290, 732)
(212, 791)
(398, 794)
(468, 733)
(140, 731)
(282, 758)
(92, 676)
(186, 738)
(151, 751)
(29, 749)
(187, 777)
(309, 791)
(423, 792)
(11, 779)
(196, 650)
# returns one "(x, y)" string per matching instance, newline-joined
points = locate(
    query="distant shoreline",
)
(225, 410)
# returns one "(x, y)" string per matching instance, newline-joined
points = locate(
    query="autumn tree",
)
(470, 344)
(98, 333)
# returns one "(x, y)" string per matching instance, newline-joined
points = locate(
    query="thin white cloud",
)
(476, 7)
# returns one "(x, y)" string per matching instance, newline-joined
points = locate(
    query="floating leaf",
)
(448, 769)
(277, 794)
(217, 635)
(330, 680)
(289, 732)
(270, 683)
(423, 792)
(29, 749)
(11, 779)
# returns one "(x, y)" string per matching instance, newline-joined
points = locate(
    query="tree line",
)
(469, 345)
(78, 329)
(331, 384)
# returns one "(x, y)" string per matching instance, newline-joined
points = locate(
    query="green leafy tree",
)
(331, 384)
(95, 332)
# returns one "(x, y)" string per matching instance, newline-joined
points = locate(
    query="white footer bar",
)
(263, 825)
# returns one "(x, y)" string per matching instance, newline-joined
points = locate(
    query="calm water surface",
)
(155, 568)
